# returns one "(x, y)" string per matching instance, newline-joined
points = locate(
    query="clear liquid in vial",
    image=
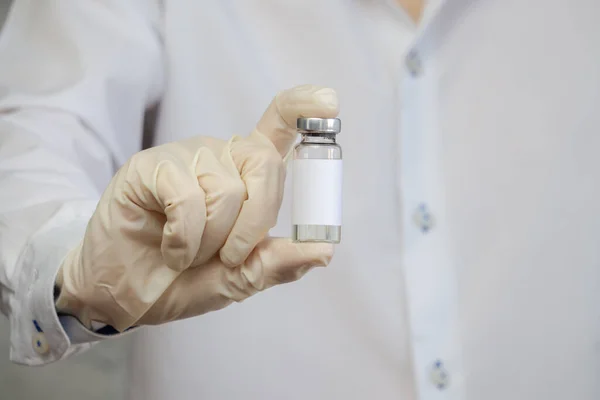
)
(317, 233)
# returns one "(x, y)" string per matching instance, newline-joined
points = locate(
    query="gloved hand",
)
(181, 229)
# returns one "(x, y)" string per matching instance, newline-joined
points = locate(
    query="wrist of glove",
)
(181, 229)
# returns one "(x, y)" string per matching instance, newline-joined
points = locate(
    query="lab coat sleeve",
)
(76, 77)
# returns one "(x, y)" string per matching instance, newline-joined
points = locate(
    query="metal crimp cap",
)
(319, 125)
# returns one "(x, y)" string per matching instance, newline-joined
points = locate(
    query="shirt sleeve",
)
(76, 78)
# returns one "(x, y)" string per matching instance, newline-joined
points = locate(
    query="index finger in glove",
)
(278, 123)
(259, 159)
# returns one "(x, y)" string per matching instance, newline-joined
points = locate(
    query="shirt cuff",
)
(79, 334)
(38, 335)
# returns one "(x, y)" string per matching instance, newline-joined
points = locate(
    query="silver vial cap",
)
(319, 125)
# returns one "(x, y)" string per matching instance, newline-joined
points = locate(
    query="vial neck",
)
(323, 138)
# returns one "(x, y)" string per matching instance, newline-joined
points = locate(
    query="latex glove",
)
(181, 228)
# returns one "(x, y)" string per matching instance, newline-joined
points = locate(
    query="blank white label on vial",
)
(317, 192)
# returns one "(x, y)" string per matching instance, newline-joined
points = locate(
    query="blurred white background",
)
(98, 374)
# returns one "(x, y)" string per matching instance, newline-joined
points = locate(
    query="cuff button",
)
(40, 344)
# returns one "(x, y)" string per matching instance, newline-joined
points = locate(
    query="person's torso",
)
(469, 266)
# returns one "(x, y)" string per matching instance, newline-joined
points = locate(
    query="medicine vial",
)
(317, 182)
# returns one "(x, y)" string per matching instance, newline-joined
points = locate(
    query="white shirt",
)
(470, 262)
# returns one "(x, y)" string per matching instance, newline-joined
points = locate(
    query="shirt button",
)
(439, 376)
(423, 218)
(40, 344)
(414, 64)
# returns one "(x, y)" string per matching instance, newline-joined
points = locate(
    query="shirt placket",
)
(428, 265)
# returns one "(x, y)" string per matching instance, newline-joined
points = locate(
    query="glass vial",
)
(317, 182)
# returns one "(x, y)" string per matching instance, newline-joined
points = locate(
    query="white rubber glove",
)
(181, 228)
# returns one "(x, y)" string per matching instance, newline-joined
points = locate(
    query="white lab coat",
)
(470, 262)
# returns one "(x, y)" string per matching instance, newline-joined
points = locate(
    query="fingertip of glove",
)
(228, 258)
(320, 254)
(327, 97)
(294, 102)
